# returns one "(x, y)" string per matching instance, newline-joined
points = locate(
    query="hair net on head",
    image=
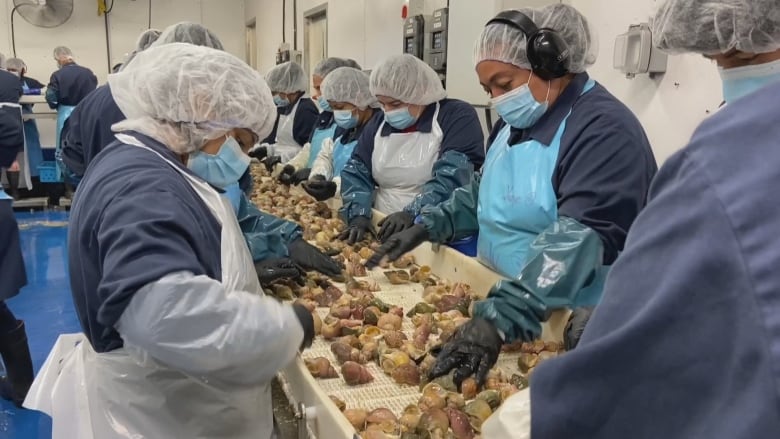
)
(184, 95)
(15, 63)
(146, 39)
(408, 79)
(62, 52)
(2, 61)
(287, 77)
(717, 26)
(192, 33)
(346, 84)
(328, 65)
(507, 44)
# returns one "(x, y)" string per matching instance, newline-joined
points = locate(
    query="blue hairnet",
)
(712, 27)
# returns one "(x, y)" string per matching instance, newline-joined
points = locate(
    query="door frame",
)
(315, 13)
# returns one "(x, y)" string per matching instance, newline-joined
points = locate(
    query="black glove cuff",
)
(307, 322)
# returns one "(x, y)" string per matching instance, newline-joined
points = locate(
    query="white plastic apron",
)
(22, 157)
(517, 202)
(93, 396)
(286, 147)
(402, 163)
(317, 138)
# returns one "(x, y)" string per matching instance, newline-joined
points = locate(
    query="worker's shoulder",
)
(600, 105)
(306, 105)
(455, 107)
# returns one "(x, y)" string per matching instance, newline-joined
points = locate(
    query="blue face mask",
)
(519, 108)
(223, 169)
(345, 119)
(400, 119)
(280, 101)
(742, 81)
(323, 103)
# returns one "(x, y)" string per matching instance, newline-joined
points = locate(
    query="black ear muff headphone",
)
(547, 52)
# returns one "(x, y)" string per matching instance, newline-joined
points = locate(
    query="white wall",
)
(670, 107)
(85, 34)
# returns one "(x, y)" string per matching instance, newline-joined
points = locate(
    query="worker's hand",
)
(270, 270)
(285, 177)
(14, 166)
(258, 152)
(301, 175)
(319, 188)
(576, 326)
(307, 322)
(310, 258)
(397, 245)
(473, 350)
(271, 161)
(357, 230)
(394, 223)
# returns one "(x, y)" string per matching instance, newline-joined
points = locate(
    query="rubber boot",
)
(18, 365)
(13, 183)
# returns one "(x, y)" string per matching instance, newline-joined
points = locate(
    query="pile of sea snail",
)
(363, 328)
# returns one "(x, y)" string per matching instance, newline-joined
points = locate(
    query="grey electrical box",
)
(414, 36)
(635, 54)
(436, 46)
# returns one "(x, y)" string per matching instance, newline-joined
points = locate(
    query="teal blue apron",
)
(341, 155)
(317, 138)
(517, 202)
(63, 113)
(32, 138)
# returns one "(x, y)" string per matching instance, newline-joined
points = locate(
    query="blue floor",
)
(44, 304)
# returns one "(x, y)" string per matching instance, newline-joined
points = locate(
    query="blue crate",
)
(48, 172)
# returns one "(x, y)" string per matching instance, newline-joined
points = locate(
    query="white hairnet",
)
(192, 33)
(328, 65)
(61, 52)
(146, 39)
(184, 95)
(287, 77)
(14, 63)
(346, 84)
(507, 44)
(408, 79)
(717, 26)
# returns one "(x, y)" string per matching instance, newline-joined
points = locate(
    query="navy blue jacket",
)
(134, 220)
(305, 120)
(69, 85)
(686, 340)
(605, 162)
(11, 127)
(324, 120)
(89, 129)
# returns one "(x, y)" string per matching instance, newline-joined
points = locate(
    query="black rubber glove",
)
(307, 321)
(394, 223)
(259, 153)
(319, 188)
(310, 258)
(576, 326)
(473, 350)
(300, 176)
(270, 270)
(399, 244)
(357, 230)
(271, 161)
(285, 177)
